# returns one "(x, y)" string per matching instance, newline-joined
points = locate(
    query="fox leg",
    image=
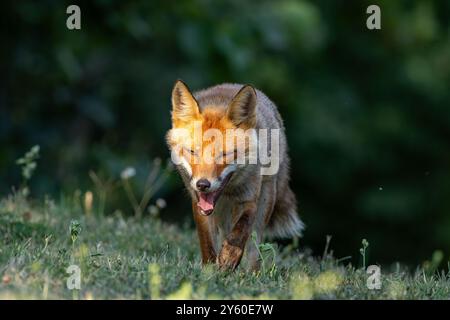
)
(204, 236)
(234, 244)
(266, 203)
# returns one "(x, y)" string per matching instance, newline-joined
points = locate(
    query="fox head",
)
(206, 141)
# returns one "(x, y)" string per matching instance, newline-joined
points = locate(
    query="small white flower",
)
(153, 210)
(128, 173)
(161, 203)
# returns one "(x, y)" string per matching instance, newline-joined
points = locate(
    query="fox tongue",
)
(206, 201)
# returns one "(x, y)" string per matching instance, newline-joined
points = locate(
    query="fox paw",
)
(229, 256)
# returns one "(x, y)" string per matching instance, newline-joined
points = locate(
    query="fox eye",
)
(191, 151)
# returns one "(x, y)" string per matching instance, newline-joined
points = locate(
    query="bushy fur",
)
(249, 201)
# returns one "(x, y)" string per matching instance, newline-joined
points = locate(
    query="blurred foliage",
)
(367, 112)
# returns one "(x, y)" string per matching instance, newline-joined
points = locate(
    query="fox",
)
(231, 200)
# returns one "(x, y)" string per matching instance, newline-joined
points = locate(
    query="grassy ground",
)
(140, 259)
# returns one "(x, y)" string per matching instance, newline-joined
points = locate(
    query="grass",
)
(131, 258)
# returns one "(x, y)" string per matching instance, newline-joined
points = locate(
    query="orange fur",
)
(247, 201)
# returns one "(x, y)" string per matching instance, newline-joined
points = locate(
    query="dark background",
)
(367, 112)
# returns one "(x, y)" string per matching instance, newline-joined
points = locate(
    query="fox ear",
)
(242, 109)
(184, 105)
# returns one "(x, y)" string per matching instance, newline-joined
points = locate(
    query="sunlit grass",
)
(130, 258)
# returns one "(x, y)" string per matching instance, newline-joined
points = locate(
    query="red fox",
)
(232, 199)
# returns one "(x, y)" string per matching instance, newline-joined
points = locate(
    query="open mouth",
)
(208, 200)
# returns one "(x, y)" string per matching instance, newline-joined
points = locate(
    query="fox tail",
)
(285, 221)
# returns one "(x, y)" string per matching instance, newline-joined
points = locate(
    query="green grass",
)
(125, 258)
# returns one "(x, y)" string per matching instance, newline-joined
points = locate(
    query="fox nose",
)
(203, 185)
